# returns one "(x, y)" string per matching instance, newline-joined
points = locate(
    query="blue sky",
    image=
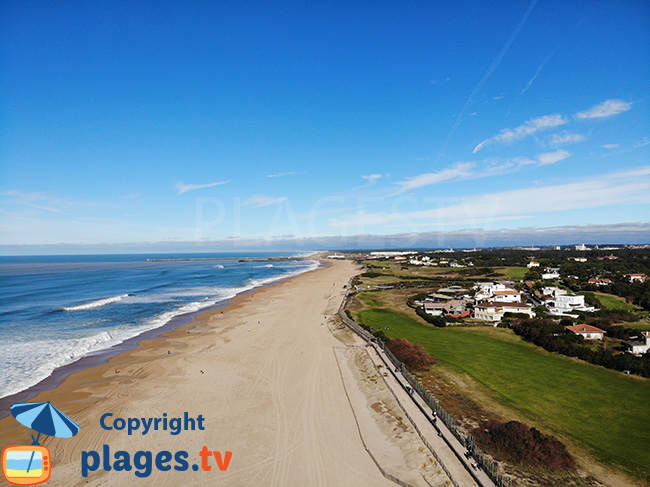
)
(233, 122)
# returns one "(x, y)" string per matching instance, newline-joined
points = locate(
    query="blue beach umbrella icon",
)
(44, 418)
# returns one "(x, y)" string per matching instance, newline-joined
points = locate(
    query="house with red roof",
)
(636, 277)
(587, 332)
(599, 281)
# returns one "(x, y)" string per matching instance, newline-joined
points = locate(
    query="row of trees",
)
(553, 337)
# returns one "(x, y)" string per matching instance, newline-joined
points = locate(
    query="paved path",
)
(444, 443)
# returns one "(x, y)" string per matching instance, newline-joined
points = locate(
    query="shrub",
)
(518, 443)
(372, 274)
(414, 356)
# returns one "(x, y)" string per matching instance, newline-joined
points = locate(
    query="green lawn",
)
(515, 273)
(598, 409)
(641, 326)
(609, 301)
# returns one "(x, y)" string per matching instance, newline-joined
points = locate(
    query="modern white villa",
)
(493, 312)
(567, 303)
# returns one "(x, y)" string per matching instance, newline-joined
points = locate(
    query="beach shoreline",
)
(261, 371)
(101, 357)
(273, 377)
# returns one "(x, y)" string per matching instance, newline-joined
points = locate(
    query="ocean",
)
(55, 310)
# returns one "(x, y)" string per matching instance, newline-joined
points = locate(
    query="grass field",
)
(600, 410)
(641, 326)
(609, 301)
(515, 273)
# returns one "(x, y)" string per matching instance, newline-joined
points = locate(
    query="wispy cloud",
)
(33, 198)
(471, 170)
(457, 171)
(628, 187)
(280, 174)
(557, 140)
(504, 166)
(184, 188)
(605, 109)
(610, 146)
(260, 201)
(552, 157)
(46, 208)
(532, 80)
(528, 128)
(372, 177)
(643, 143)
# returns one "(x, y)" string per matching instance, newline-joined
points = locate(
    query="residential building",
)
(563, 304)
(506, 296)
(639, 347)
(577, 259)
(636, 277)
(532, 263)
(551, 273)
(600, 281)
(587, 332)
(493, 312)
(487, 289)
(455, 308)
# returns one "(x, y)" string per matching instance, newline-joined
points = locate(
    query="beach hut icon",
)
(32, 464)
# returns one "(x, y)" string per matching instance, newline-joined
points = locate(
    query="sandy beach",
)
(279, 383)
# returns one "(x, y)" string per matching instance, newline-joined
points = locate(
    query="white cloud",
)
(280, 174)
(469, 170)
(372, 177)
(557, 140)
(628, 187)
(605, 109)
(260, 201)
(552, 157)
(456, 171)
(184, 188)
(528, 128)
(610, 146)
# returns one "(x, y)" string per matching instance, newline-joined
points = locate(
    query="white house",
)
(453, 307)
(599, 281)
(551, 273)
(641, 346)
(493, 312)
(506, 296)
(636, 277)
(487, 289)
(587, 332)
(567, 303)
(552, 291)
(532, 263)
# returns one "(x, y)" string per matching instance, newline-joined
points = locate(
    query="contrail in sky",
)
(487, 74)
